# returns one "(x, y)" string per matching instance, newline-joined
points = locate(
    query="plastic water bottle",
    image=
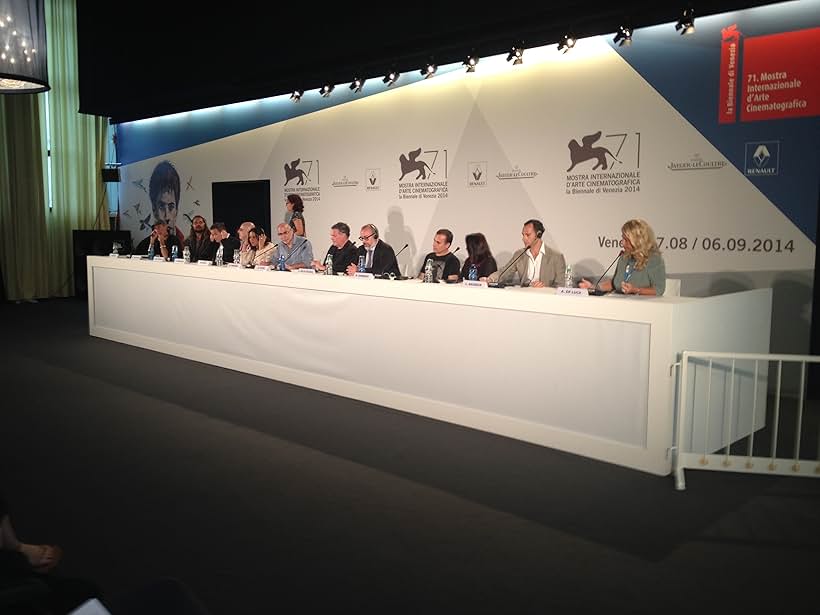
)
(186, 254)
(280, 265)
(568, 277)
(328, 265)
(473, 273)
(236, 257)
(628, 270)
(174, 252)
(428, 271)
(151, 250)
(360, 267)
(219, 256)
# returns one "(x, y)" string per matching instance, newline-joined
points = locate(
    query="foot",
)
(42, 557)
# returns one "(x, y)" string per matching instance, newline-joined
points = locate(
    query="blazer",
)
(553, 267)
(384, 259)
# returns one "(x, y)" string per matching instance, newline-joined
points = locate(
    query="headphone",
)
(538, 226)
(374, 229)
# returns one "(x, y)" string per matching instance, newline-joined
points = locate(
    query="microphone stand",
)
(501, 284)
(597, 292)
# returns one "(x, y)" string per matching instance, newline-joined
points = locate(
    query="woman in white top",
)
(261, 248)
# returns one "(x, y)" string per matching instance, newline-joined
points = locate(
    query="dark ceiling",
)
(139, 60)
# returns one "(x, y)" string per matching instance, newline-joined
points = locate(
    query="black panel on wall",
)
(240, 201)
(94, 243)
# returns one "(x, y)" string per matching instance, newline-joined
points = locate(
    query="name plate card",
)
(305, 270)
(204, 263)
(364, 276)
(232, 265)
(138, 256)
(574, 292)
(263, 268)
(159, 259)
(178, 261)
(474, 284)
(114, 255)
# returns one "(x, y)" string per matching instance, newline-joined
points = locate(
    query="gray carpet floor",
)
(262, 497)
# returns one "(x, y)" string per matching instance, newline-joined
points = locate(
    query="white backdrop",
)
(495, 144)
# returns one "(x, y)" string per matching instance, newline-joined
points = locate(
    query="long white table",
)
(588, 375)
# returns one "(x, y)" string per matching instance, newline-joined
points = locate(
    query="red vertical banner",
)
(781, 76)
(729, 54)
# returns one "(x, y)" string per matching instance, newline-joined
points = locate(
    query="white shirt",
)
(534, 263)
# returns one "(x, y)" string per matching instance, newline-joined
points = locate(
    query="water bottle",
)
(328, 265)
(568, 277)
(236, 257)
(174, 252)
(281, 264)
(428, 271)
(628, 270)
(219, 254)
(151, 250)
(360, 267)
(186, 254)
(473, 273)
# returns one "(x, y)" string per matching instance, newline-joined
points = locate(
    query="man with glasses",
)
(342, 250)
(159, 240)
(379, 257)
(297, 250)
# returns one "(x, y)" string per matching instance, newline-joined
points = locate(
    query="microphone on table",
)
(500, 284)
(402, 250)
(597, 292)
(390, 276)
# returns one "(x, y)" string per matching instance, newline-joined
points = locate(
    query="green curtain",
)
(23, 230)
(36, 256)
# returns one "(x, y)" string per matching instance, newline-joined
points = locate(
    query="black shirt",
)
(203, 249)
(485, 267)
(229, 245)
(443, 266)
(342, 257)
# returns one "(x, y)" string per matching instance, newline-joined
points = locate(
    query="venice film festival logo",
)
(373, 180)
(762, 158)
(477, 174)
(604, 163)
(423, 174)
(306, 174)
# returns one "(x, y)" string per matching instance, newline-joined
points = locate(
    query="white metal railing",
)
(696, 448)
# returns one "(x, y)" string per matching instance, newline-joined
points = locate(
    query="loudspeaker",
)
(110, 174)
(94, 243)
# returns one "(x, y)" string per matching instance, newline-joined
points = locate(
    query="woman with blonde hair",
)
(640, 269)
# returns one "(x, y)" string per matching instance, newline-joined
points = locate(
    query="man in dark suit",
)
(220, 235)
(379, 257)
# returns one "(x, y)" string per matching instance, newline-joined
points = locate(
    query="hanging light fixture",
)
(23, 67)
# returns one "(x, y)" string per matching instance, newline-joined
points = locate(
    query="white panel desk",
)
(588, 375)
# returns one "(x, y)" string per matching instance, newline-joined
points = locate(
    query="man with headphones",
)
(540, 266)
(379, 257)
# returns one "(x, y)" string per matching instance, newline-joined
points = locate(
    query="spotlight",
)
(391, 77)
(516, 55)
(471, 62)
(567, 42)
(357, 84)
(297, 95)
(624, 36)
(686, 23)
(429, 70)
(326, 90)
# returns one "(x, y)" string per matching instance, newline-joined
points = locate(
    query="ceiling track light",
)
(297, 95)
(391, 77)
(516, 55)
(567, 42)
(357, 84)
(326, 90)
(471, 62)
(686, 23)
(429, 69)
(623, 36)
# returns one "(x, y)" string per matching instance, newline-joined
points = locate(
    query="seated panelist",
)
(640, 269)
(379, 257)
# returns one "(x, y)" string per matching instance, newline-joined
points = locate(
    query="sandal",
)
(42, 557)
